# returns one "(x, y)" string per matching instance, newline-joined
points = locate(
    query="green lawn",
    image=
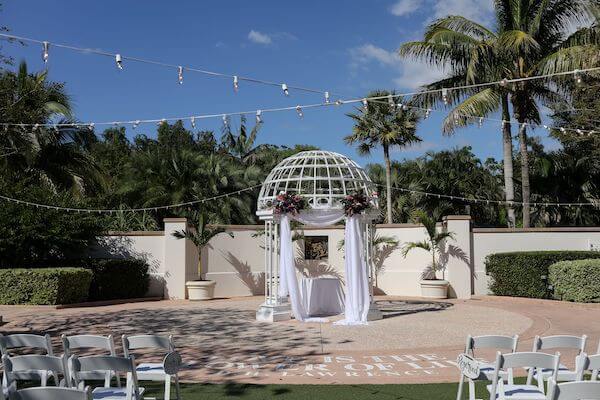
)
(435, 391)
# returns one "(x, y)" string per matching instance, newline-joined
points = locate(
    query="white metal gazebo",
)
(323, 179)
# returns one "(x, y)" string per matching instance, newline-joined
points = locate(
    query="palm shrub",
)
(200, 234)
(433, 244)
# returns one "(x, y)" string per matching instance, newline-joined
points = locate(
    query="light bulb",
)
(445, 96)
(299, 111)
(427, 112)
(326, 97)
(225, 121)
(577, 76)
(285, 89)
(391, 102)
(480, 122)
(504, 82)
(236, 83)
(180, 74)
(193, 122)
(365, 104)
(136, 124)
(91, 126)
(119, 61)
(45, 52)
(259, 116)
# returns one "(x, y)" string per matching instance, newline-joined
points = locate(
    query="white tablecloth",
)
(322, 297)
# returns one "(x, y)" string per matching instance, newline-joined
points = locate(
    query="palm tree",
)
(242, 145)
(433, 244)
(521, 46)
(56, 157)
(382, 124)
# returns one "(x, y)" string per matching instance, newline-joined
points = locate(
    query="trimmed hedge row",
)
(525, 274)
(576, 280)
(63, 283)
(44, 285)
(118, 278)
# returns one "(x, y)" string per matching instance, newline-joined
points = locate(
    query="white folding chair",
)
(152, 371)
(533, 360)
(52, 393)
(587, 363)
(573, 390)
(554, 343)
(14, 367)
(495, 342)
(125, 365)
(10, 343)
(105, 343)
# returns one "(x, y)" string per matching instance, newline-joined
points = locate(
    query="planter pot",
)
(434, 289)
(200, 290)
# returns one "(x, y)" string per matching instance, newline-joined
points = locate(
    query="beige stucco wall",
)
(237, 263)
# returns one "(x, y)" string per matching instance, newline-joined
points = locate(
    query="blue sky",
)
(344, 47)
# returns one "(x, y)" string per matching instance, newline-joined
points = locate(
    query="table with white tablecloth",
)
(322, 296)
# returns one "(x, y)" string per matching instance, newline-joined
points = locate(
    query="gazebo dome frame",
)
(323, 178)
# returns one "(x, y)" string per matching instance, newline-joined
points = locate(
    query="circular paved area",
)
(417, 341)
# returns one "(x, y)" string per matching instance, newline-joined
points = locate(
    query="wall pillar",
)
(176, 259)
(459, 266)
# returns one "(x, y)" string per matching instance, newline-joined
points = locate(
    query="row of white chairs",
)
(540, 367)
(15, 365)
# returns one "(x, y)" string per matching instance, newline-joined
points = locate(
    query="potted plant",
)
(200, 234)
(431, 285)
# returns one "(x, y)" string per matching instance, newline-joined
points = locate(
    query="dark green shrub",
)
(576, 280)
(524, 274)
(44, 285)
(117, 278)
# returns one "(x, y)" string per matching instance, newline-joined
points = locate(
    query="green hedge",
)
(44, 285)
(118, 278)
(576, 280)
(521, 273)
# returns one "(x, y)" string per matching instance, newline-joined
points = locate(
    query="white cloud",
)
(405, 7)
(411, 74)
(415, 74)
(369, 52)
(478, 10)
(260, 38)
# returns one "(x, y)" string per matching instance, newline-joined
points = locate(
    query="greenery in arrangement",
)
(44, 285)
(355, 204)
(577, 280)
(434, 244)
(288, 203)
(525, 274)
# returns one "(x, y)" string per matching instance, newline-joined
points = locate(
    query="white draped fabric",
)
(357, 280)
(357, 283)
(288, 283)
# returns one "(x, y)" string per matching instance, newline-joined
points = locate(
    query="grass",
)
(433, 391)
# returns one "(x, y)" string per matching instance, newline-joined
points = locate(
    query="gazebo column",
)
(273, 309)
(369, 236)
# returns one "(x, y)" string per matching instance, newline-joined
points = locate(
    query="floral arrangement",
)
(355, 204)
(287, 203)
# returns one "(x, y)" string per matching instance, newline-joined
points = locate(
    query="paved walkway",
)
(416, 342)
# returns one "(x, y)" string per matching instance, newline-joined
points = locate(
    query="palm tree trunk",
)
(388, 183)
(509, 187)
(524, 173)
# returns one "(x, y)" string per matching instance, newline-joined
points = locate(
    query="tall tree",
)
(531, 38)
(387, 126)
(57, 157)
